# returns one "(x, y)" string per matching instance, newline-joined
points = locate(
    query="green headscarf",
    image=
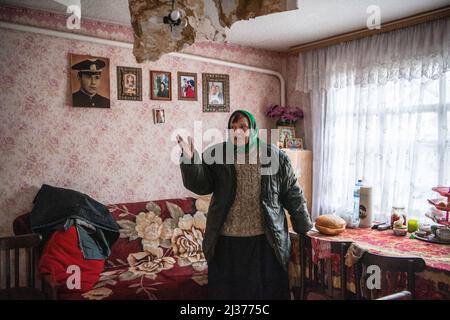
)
(253, 140)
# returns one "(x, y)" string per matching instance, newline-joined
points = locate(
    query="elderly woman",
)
(246, 241)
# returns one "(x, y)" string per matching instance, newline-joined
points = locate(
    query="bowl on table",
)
(421, 233)
(400, 231)
(425, 228)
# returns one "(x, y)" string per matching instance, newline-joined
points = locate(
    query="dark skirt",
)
(246, 268)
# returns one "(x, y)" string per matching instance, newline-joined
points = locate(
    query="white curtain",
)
(380, 110)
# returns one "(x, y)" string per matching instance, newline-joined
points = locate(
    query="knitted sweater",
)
(245, 218)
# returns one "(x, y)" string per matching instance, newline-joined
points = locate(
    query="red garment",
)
(189, 92)
(61, 251)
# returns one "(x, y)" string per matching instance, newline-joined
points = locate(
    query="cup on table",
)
(413, 225)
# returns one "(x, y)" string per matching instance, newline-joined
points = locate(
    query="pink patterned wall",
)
(114, 155)
(57, 21)
(298, 99)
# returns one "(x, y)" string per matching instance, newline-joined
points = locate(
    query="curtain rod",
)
(390, 26)
(79, 37)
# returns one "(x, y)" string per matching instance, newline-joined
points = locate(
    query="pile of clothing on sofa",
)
(78, 233)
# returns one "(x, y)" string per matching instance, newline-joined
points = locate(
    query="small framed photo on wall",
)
(187, 86)
(129, 83)
(159, 116)
(160, 85)
(89, 79)
(216, 92)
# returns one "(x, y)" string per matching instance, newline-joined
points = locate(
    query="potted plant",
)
(287, 116)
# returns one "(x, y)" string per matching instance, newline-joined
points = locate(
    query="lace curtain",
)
(380, 110)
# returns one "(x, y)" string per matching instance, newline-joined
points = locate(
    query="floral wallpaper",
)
(298, 99)
(117, 154)
(57, 21)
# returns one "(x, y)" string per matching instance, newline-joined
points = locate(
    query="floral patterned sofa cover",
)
(158, 255)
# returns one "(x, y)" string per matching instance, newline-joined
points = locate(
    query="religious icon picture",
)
(160, 85)
(285, 133)
(89, 79)
(187, 86)
(129, 83)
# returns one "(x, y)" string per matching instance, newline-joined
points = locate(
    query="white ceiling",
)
(318, 19)
(313, 20)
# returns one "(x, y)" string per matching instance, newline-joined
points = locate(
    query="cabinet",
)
(301, 161)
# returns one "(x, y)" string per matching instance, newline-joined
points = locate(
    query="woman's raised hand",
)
(186, 147)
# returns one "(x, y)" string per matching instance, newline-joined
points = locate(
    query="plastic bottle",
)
(356, 197)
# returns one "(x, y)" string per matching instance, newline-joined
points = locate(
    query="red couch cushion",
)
(61, 251)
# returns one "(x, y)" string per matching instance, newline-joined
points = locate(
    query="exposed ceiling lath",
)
(206, 20)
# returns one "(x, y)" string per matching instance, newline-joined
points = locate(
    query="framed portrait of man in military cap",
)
(90, 81)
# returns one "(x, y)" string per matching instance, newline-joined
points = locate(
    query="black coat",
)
(53, 207)
(279, 190)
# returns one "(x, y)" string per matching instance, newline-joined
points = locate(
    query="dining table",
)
(432, 283)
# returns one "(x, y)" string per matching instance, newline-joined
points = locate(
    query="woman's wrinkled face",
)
(240, 131)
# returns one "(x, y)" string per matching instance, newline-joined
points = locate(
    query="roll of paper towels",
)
(365, 207)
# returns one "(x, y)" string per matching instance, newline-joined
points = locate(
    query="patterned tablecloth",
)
(433, 283)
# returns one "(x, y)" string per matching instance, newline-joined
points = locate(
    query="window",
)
(396, 136)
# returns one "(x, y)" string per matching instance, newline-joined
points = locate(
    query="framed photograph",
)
(187, 86)
(285, 133)
(216, 92)
(159, 116)
(160, 85)
(89, 80)
(295, 143)
(129, 83)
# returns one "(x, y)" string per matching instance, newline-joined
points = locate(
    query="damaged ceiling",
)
(205, 20)
(313, 20)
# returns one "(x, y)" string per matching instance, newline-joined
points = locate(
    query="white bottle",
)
(365, 207)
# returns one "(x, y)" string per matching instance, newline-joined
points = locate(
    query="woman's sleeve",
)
(196, 175)
(292, 198)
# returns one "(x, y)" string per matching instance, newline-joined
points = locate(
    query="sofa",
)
(158, 255)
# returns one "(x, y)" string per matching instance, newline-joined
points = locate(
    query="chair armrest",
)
(49, 287)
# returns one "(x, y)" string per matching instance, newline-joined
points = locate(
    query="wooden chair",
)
(320, 279)
(408, 265)
(9, 245)
(305, 257)
(340, 248)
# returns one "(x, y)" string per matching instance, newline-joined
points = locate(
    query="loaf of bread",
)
(330, 225)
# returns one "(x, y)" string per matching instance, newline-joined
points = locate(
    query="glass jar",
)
(398, 213)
